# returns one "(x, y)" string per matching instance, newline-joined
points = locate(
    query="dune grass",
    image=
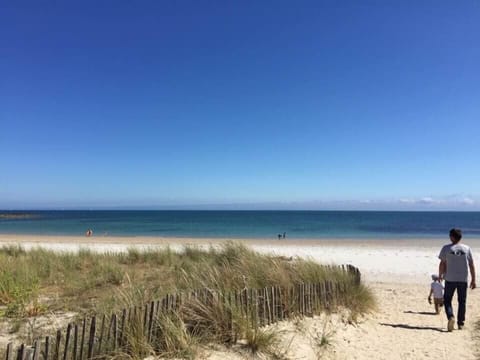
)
(88, 282)
(38, 281)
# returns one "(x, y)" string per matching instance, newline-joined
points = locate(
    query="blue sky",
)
(252, 104)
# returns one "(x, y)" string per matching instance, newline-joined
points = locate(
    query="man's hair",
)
(456, 234)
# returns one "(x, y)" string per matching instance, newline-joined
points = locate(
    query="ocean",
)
(243, 224)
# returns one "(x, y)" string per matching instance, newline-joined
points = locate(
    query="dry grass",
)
(37, 281)
(86, 282)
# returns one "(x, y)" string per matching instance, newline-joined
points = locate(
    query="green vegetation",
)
(322, 338)
(38, 281)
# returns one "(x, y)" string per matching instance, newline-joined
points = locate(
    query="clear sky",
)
(248, 104)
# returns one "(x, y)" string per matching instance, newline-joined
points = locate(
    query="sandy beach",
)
(403, 326)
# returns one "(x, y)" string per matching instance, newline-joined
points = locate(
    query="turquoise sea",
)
(243, 224)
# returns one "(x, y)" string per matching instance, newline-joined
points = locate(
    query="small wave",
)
(163, 230)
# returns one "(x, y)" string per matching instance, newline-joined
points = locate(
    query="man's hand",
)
(430, 300)
(473, 285)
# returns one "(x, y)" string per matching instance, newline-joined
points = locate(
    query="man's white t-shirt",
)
(437, 290)
(458, 257)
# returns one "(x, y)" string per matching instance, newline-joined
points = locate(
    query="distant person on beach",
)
(455, 260)
(284, 234)
(279, 236)
(436, 289)
(89, 233)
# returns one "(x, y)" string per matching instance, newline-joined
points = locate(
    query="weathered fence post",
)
(75, 342)
(36, 349)
(56, 354)
(279, 302)
(91, 338)
(47, 347)
(121, 336)
(100, 339)
(67, 341)
(267, 302)
(145, 319)
(82, 340)
(8, 355)
(21, 352)
(150, 321)
(29, 353)
(115, 339)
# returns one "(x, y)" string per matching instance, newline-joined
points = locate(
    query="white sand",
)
(397, 271)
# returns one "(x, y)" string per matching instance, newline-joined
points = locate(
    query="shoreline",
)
(164, 240)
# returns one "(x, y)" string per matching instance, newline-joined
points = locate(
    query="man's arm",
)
(442, 269)
(471, 265)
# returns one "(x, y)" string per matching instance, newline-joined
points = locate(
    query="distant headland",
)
(18, 216)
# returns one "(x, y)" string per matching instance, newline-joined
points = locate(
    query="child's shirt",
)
(437, 288)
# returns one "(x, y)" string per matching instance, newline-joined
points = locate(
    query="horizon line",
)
(234, 210)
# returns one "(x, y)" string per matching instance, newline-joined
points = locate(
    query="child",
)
(436, 288)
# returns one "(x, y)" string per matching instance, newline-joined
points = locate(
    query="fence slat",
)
(29, 353)
(82, 341)
(268, 313)
(115, 339)
(145, 319)
(100, 339)
(47, 347)
(67, 341)
(310, 298)
(91, 338)
(278, 292)
(274, 303)
(150, 321)
(36, 349)
(121, 337)
(75, 342)
(8, 355)
(252, 307)
(58, 339)
(21, 352)
(263, 308)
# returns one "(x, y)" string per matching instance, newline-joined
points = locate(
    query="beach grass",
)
(42, 281)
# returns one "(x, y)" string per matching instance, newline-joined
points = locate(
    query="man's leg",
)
(447, 298)
(462, 300)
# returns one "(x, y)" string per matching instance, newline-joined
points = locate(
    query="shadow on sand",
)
(410, 327)
(420, 312)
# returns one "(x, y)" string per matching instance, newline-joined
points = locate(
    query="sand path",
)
(405, 327)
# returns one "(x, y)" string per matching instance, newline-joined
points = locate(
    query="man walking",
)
(455, 260)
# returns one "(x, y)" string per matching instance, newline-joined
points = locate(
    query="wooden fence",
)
(102, 335)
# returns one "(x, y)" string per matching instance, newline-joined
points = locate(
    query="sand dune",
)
(403, 327)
